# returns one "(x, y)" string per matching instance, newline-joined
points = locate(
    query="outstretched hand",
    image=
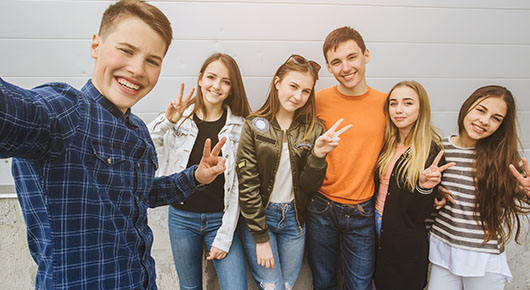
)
(524, 180)
(211, 163)
(432, 175)
(330, 139)
(176, 108)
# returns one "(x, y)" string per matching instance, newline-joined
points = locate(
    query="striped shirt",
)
(457, 225)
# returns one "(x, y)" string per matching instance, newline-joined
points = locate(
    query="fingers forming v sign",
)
(176, 108)
(330, 139)
(523, 180)
(432, 175)
(447, 196)
(211, 163)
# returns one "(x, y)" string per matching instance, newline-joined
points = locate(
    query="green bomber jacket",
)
(258, 157)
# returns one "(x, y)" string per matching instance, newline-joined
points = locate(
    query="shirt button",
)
(109, 160)
(138, 164)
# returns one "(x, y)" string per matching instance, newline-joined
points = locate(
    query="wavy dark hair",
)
(499, 199)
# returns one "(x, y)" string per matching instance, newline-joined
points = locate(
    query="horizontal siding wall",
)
(451, 47)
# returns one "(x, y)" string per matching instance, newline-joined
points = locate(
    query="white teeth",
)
(479, 128)
(128, 84)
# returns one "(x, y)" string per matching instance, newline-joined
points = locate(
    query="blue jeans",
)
(287, 242)
(336, 231)
(378, 224)
(188, 231)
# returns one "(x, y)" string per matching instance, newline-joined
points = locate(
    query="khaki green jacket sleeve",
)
(250, 200)
(314, 171)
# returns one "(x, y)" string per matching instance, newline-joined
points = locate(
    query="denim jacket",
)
(174, 142)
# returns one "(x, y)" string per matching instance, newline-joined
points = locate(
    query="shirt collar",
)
(93, 93)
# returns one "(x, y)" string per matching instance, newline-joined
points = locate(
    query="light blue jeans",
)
(287, 241)
(188, 231)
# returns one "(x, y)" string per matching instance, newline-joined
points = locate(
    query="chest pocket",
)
(113, 170)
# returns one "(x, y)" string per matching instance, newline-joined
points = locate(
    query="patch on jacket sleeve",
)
(304, 145)
(241, 164)
(260, 124)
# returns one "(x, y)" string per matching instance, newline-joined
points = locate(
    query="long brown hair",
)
(307, 113)
(236, 100)
(499, 200)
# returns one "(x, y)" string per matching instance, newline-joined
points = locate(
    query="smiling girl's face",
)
(484, 118)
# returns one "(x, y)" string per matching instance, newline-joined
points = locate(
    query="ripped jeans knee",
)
(267, 286)
(272, 286)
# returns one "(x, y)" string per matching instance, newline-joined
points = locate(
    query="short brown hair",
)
(340, 35)
(151, 15)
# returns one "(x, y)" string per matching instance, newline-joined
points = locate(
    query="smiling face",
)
(293, 91)
(127, 62)
(403, 108)
(215, 84)
(484, 118)
(347, 64)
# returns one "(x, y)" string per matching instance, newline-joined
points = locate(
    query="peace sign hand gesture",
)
(329, 140)
(211, 163)
(523, 180)
(176, 108)
(432, 175)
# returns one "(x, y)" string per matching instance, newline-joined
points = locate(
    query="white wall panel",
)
(261, 58)
(451, 47)
(283, 20)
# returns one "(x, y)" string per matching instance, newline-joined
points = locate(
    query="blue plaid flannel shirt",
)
(84, 173)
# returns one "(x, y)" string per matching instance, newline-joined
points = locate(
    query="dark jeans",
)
(338, 230)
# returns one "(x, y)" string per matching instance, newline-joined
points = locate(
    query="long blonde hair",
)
(420, 137)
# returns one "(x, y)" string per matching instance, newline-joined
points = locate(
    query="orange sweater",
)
(350, 174)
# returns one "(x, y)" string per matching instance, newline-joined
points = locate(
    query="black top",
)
(211, 198)
(402, 253)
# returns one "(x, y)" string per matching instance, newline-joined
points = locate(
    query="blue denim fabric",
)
(287, 241)
(188, 231)
(378, 224)
(338, 231)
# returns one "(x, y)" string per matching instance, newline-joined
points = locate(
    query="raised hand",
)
(523, 180)
(264, 255)
(216, 253)
(211, 163)
(330, 139)
(432, 175)
(176, 108)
